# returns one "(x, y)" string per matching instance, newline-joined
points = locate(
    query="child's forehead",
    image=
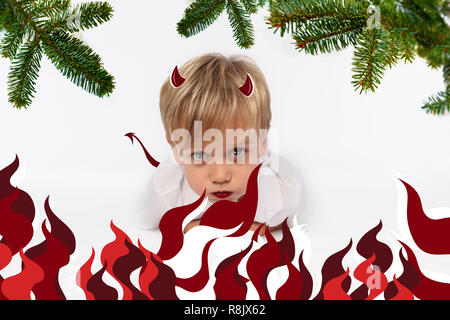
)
(227, 138)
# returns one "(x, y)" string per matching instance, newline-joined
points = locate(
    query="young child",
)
(226, 101)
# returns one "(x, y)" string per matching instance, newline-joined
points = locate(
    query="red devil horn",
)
(247, 87)
(176, 79)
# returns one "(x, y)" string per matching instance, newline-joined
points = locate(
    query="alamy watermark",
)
(234, 146)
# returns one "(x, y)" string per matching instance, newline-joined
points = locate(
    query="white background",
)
(348, 147)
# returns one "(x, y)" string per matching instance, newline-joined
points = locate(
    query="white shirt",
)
(279, 192)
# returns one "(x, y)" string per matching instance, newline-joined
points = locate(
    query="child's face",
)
(221, 166)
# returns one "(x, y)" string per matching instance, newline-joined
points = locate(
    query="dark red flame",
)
(163, 287)
(430, 235)
(230, 285)
(247, 87)
(51, 255)
(111, 253)
(99, 289)
(409, 278)
(19, 286)
(24, 204)
(150, 159)
(15, 228)
(427, 289)
(332, 268)
(292, 288)
(236, 213)
(368, 246)
(333, 288)
(148, 272)
(124, 266)
(176, 79)
(403, 292)
(171, 228)
(261, 262)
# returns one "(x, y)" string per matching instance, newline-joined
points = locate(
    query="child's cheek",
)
(195, 178)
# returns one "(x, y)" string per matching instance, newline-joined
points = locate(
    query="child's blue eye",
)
(199, 155)
(237, 152)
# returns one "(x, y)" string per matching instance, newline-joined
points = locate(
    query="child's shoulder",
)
(167, 177)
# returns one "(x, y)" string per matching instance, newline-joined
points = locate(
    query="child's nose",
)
(220, 173)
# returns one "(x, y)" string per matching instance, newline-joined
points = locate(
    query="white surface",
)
(347, 146)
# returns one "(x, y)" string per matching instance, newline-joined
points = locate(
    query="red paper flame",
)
(148, 272)
(84, 274)
(15, 228)
(230, 285)
(171, 228)
(403, 292)
(120, 258)
(430, 235)
(332, 268)
(366, 275)
(19, 286)
(333, 288)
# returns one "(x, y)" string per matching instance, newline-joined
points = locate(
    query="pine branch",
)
(291, 15)
(23, 74)
(46, 23)
(240, 23)
(199, 15)
(438, 104)
(78, 63)
(369, 59)
(250, 6)
(81, 17)
(326, 35)
(394, 49)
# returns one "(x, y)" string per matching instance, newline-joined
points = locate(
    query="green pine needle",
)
(369, 60)
(438, 104)
(241, 24)
(79, 63)
(23, 74)
(199, 15)
(82, 17)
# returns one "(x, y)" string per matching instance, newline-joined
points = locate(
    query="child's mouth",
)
(222, 194)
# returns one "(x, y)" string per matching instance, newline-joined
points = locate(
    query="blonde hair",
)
(210, 93)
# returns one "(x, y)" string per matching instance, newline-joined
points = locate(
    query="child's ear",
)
(174, 150)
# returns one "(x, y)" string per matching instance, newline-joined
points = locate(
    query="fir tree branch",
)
(438, 104)
(369, 59)
(78, 63)
(326, 35)
(250, 6)
(240, 23)
(199, 15)
(394, 49)
(31, 21)
(23, 74)
(81, 17)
